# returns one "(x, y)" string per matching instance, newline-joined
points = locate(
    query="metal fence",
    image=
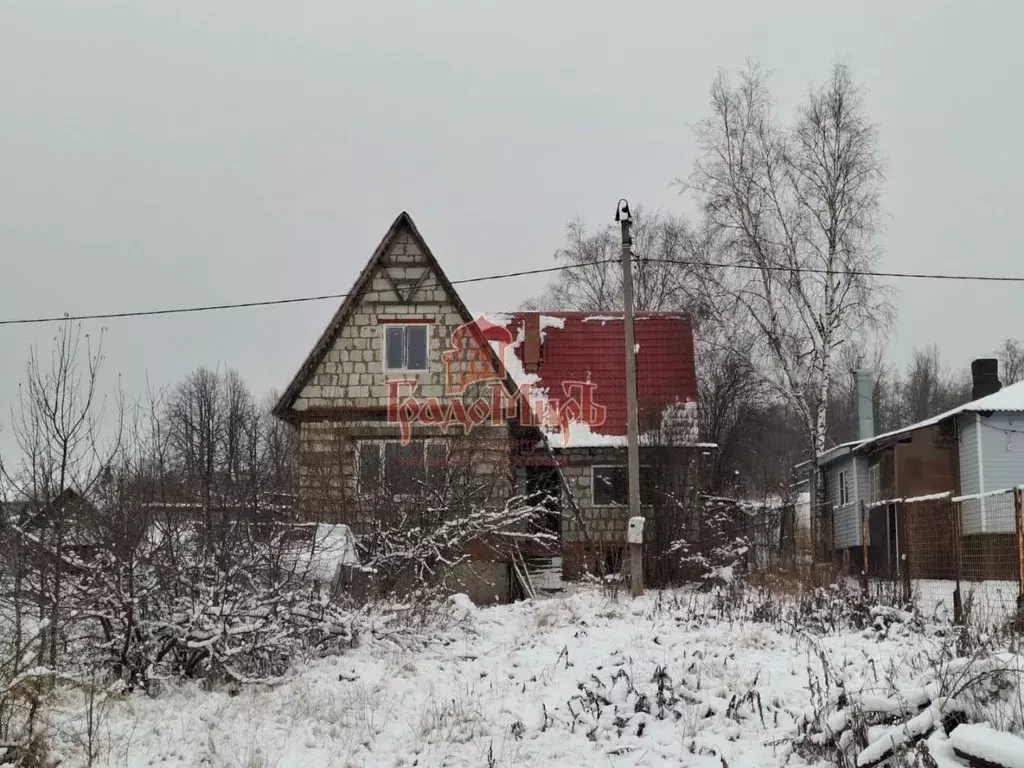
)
(940, 548)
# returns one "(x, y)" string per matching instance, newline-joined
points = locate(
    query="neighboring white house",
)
(969, 451)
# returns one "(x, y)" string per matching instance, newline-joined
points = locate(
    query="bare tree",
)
(791, 215)
(662, 279)
(57, 428)
(731, 399)
(842, 403)
(929, 388)
(1011, 361)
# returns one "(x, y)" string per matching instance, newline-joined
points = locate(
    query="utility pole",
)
(622, 215)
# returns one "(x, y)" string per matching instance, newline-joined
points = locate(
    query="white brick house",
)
(401, 366)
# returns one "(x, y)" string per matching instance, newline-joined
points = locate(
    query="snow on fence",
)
(929, 545)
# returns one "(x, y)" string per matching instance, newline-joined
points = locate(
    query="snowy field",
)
(582, 680)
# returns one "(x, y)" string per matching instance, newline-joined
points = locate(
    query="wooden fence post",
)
(904, 557)
(954, 526)
(1018, 505)
(864, 548)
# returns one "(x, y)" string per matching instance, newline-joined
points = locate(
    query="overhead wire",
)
(508, 275)
(271, 302)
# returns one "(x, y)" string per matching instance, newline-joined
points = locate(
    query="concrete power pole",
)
(622, 215)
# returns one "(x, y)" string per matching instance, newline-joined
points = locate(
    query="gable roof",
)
(586, 347)
(402, 223)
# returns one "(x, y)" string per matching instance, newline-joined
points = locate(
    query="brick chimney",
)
(531, 342)
(985, 377)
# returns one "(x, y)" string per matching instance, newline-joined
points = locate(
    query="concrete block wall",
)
(352, 375)
(352, 372)
(605, 524)
(328, 468)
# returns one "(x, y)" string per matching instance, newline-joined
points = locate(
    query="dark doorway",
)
(886, 549)
(544, 489)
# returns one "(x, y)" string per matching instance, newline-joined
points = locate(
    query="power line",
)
(268, 302)
(520, 273)
(840, 272)
(171, 311)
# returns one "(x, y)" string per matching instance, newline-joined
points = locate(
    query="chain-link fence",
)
(959, 554)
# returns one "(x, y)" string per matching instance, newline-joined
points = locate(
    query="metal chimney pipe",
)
(865, 386)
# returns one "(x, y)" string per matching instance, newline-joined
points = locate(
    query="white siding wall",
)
(846, 518)
(970, 478)
(863, 477)
(1000, 439)
(991, 458)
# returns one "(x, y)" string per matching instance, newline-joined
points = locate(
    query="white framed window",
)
(405, 347)
(875, 481)
(609, 485)
(400, 469)
(844, 488)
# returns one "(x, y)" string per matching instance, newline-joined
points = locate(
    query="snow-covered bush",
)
(194, 603)
(912, 709)
(719, 553)
(410, 548)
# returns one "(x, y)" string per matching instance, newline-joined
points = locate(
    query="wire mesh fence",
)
(964, 553)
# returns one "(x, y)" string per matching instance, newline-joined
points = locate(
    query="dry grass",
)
(794, 580)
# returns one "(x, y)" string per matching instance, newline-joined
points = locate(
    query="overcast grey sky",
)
(167, 153)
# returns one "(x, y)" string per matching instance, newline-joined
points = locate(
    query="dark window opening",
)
(611, 485)
(544, 490)
(369, 467)
(405, 347)
(402, 469)
(613, 561)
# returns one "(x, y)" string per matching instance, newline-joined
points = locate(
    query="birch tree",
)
(792, 213)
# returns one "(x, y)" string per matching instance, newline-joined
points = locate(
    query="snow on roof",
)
(834, 452)
(1010, 398)
(550, 321)
(332, 547)
(508, 357)
(578, 353)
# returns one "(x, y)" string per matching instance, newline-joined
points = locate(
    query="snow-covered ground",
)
(579, 680)
(989, 602)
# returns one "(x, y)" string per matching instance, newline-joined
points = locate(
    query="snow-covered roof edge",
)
(1010, 398)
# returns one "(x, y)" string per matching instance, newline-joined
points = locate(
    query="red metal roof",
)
(591, 347)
